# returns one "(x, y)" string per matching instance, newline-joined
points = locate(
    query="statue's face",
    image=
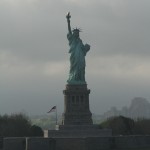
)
(76, 34)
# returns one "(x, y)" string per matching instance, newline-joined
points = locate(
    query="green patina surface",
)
(77, 55)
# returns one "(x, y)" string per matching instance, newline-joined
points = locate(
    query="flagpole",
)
(56, 114)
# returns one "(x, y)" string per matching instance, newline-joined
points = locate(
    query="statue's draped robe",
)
(77, 60)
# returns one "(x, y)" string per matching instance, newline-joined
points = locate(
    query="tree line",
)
(18, 125)
(126, 126)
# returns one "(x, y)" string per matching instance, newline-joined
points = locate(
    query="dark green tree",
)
(14, 125)
(120, 125)
(18, 125)
(36, 131)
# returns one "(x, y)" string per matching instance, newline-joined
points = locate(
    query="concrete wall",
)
(14, 143)
(100, 143)
(118, 143)
(1, 143)
(40, 144)
(132, 142)
(90, 143)
(70, 144)
(28, 143)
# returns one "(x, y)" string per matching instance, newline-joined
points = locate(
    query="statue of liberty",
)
(77, 55)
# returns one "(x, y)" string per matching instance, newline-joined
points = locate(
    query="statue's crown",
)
(76, 30)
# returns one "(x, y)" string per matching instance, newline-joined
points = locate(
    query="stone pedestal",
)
(77, 118)
(76, 105)
(77, 133)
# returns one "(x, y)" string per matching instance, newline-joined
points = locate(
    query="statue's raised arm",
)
(68, 21)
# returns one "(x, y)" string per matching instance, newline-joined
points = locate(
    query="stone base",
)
(77, 127)
(76, 105)
(77, 131)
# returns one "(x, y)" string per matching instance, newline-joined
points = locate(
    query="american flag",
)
(52, 109)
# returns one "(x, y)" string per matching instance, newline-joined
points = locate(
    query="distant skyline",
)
(34, 58)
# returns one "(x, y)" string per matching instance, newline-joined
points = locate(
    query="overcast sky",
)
(34, 59)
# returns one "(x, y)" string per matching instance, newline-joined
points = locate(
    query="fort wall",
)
(89, 143)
